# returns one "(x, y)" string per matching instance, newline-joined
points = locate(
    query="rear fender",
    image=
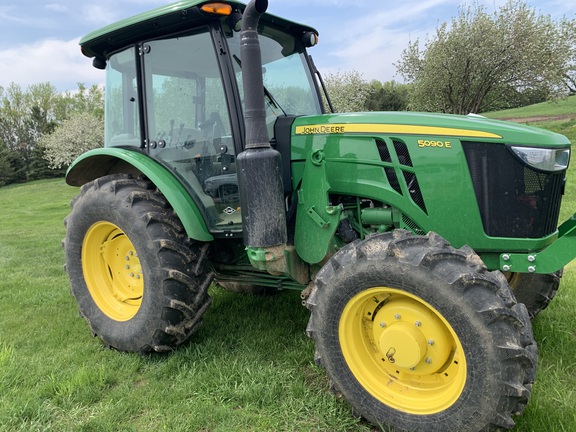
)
(105, 161)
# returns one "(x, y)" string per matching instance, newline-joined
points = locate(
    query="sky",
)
(39, 38)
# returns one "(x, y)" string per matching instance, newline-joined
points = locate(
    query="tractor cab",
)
(177, 95)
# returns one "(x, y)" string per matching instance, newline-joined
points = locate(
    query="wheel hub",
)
(112, 271)
(410, 337)
(402, 350)
(403, 345)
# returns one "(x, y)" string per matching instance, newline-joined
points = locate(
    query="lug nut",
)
(382, 324)
(428, 360)
(397, 316)
(417, 323)
(430, 342)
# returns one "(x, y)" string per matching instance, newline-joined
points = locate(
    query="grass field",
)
(249, 368)
(560, 108)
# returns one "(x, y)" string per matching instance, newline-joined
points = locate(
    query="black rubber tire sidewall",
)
(173, 295)
(535, 290)
(480, 318)
(476, 345)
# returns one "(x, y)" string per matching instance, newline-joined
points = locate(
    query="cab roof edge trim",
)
(161, 21)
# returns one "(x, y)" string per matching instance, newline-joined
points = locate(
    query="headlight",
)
(544, 159)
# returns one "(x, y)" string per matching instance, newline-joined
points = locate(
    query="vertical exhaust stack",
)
(259, 165)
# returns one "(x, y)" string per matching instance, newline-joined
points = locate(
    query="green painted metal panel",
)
(548, 260)
(99, 162)
(316, 220)
(355, 167)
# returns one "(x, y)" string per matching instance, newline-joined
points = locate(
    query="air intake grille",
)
(414, 190)
(404, 160)
(402, 152)
(412, 226)
(393, 179)
(514, 200)
(383, 151)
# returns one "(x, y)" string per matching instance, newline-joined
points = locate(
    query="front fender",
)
(105, 161)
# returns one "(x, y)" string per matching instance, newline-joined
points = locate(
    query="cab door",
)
(188, 123)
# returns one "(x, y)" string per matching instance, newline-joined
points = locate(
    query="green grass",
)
(562, 107)
(249, 368)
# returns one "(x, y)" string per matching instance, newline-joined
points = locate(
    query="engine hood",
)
(470, 127)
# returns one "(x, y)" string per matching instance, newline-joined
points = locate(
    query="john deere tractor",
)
(422, 244)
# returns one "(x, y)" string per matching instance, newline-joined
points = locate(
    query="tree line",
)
(28, 117)
(478, 62)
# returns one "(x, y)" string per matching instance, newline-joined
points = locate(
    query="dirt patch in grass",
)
(543, 118)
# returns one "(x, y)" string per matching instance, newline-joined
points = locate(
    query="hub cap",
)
(112, 271)
(402, 351)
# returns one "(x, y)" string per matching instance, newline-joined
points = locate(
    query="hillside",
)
(564, 109)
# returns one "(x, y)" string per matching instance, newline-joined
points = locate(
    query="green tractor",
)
(422, 244)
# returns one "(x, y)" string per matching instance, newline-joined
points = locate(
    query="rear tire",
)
(536, 291)
(141, 284)
(417, 336)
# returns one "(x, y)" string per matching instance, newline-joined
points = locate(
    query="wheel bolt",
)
(428, 360)
(130, 253)
(127, 266)
(127, 258)
(131, 274)
(430, 341)
(417, 323)
(397, 316)
(382, 324)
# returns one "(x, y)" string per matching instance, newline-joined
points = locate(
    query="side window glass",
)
(188, 122)
(122, 127)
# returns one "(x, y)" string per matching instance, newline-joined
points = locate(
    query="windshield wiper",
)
(271, 100)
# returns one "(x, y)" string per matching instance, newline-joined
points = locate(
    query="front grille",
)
(514, 199)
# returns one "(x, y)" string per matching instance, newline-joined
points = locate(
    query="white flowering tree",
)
(81, 132)
(475, 62)
(348, 91)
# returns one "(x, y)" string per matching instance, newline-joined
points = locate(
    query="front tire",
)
(535, 290)
(141, 284)
(417, 336)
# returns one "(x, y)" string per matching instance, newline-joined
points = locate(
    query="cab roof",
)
(172, 18)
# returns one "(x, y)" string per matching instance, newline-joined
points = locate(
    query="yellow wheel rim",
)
(402, 351)
(112, 271)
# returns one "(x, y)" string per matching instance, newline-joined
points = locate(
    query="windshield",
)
(289, 85)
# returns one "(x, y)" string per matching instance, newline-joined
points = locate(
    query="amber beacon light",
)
(217, 8)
